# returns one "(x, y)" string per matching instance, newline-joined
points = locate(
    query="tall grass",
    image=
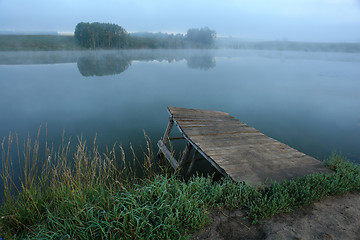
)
(92, 195)
(43, 182)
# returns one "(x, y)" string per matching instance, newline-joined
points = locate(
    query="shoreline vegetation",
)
(111, 36)
(150, 41)
(86, 194)
(62, 43)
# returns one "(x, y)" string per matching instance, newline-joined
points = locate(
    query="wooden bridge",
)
(235, 149)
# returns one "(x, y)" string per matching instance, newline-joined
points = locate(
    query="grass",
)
(91, 195)
(37, 43)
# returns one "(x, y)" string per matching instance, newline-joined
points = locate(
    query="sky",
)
(292, 20)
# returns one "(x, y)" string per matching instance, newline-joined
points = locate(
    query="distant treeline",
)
(111, 36)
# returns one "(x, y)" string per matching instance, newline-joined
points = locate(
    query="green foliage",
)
(101, 35)
(157, 40)
(97, 196)
(105, 35)
(143, 42)
(201, 36)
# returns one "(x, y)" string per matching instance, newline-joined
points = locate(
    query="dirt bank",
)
(332, 218)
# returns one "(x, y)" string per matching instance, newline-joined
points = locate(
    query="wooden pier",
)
(235, 149)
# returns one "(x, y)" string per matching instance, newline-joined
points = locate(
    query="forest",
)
(111, 36)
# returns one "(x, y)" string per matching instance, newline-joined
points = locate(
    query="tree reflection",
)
(111, 63)
(102, 64)
(203, 62)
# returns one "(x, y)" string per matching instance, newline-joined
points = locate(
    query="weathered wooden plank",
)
(273, 161)
(178, 110)
(199, 115)
(269, 151)
(262, 175)
(167, 154)
(275, 169)
(167, 132)
(203, 120)
(216, 131)
(230, 139)
(218, 124)
(270, 144)
(252, 150)
(215, 126)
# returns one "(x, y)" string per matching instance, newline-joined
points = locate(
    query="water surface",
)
(309, 101)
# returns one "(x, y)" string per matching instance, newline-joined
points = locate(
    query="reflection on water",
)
(203, 62)
(110, 63)
(102, 62)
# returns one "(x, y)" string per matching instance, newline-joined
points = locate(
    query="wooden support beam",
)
(168, 130)
(197, 149)
(176, 138)
(165, 138)
(186, 154)
(191, 165)
(167, 154)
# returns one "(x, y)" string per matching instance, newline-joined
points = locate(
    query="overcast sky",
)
(304, 20)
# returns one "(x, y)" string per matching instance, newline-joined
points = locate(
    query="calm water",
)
(310, 101)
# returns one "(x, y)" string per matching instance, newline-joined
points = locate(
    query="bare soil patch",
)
(336, 217)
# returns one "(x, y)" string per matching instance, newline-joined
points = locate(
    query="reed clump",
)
(40, 187)
(92, 195)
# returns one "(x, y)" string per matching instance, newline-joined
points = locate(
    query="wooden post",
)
(185, 155)
(191, 164)
(168, 130)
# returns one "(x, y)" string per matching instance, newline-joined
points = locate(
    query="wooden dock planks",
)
(238, 150)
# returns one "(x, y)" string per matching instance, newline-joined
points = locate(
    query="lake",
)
(308, 100)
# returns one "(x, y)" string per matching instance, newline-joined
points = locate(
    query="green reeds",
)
(41, 182)
(93, 195)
